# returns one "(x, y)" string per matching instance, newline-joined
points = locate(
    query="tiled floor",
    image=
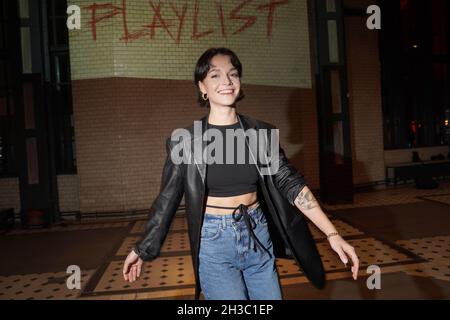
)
(171, 275)
(396, 195)
(40, 286)
(436, 251)
(443, 198)
(161, 274)
(70, 227)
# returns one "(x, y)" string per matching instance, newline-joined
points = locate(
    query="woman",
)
(234, 211)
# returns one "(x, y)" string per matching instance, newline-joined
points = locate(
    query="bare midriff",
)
(248, 199)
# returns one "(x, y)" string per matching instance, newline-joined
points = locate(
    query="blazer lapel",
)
(248, 123)
(199, 146)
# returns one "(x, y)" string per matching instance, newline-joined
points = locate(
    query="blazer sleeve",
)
(162, 210)
(288, 180)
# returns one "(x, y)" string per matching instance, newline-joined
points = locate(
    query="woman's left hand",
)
(343, 249)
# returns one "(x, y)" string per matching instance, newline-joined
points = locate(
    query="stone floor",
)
(402, 230)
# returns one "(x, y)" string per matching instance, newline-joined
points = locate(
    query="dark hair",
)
(203, 65)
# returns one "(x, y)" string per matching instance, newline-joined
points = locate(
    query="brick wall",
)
(122, 124)
(123, 43)
(9, 194)
(132, 88)
(68, 193)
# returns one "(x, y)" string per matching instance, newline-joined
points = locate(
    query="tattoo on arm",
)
(306, 200)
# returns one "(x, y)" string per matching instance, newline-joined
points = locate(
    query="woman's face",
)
(222, 83)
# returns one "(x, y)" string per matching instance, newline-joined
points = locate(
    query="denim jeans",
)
(229, 268)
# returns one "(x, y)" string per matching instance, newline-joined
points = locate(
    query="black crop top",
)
(230, 179)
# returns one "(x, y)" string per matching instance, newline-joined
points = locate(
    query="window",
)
(60, 86)
(415, 71)
(7, 163)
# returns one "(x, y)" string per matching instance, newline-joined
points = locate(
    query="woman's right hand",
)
(132, 267)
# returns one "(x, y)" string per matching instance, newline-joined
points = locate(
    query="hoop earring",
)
(205, 96)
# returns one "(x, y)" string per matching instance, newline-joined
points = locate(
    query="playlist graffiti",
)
(229, 23)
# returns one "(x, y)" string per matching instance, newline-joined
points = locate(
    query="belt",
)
(242, 213)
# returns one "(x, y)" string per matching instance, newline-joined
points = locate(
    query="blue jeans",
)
(229, 268)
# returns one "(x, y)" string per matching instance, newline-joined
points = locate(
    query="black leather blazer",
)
(276, 193)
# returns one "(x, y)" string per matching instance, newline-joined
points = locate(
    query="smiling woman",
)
(218, 75)
(232, 206)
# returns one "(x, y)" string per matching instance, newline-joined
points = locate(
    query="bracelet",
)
(332, 234)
